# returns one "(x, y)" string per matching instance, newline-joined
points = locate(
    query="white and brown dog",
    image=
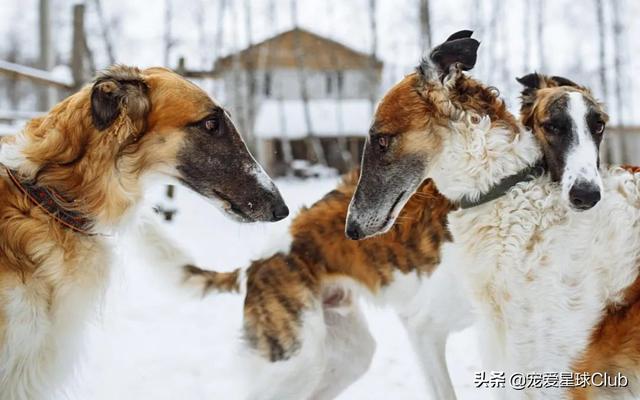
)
(75, 176)
(549, 256)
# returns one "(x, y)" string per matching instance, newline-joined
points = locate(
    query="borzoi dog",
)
(304, 332)
(548, 251)
(73, 178)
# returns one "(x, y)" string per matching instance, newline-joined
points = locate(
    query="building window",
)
(329, 80)
(267, 84)
(340, 79)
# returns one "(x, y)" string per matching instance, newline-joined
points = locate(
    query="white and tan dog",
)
(550, 259)
(75, 176)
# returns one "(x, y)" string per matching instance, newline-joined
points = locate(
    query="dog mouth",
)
(224, 203)
(393, 213)
(231, 209)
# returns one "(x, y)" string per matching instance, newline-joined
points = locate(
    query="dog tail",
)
(206, 281)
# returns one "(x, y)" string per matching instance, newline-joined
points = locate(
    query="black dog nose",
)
(280, 212)
(584, 196)
(353, 231)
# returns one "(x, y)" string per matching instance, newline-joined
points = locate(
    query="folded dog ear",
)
(119, 100)
(539, 81)
(532, 83)
(459, 51)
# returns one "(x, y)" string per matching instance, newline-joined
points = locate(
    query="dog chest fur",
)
(543, 275)
(43, 316)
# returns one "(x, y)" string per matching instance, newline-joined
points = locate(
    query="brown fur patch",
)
(280, 288)
(615, 343)
(213, 280)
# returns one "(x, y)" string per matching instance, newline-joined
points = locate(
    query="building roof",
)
(329, 118)
(320, 53)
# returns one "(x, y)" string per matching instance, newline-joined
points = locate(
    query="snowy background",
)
(149, 342)
(202, 30)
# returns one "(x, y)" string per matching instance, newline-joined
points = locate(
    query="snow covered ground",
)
(151, 342)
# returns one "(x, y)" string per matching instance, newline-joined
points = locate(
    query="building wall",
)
(285, 84)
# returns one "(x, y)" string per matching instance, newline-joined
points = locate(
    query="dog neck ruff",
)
(51, 203)
(502, 187)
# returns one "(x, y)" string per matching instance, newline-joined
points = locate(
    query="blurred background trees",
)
(301, 77)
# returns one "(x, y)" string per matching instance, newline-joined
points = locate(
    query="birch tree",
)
(373, 58)
(618, 73)
(425, 25)
(540, 34)
(168, 35)
(104, 28)
(526, 29)
(250, 79)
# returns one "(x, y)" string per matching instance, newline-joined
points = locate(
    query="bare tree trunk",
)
(251, 81)
(617, 57)
(374, 51)
(313, 142)
(78, 48)
(219, 37)
(168, 211)
(540, 34)
(239, 95)
(200, 18)
(612, 151)
(47, 54)
(477, 22)
(602, 55)
(287, 151)
(222, 5)
(425, 25)
(346, 158)
(503, 39)
(104, 27)
(526, 27)
(14, 56)
(168, 36)
(493, 38)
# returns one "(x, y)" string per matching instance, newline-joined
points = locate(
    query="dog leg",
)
(438, 309)
(168, 260)
(296, 377)
(350, 349)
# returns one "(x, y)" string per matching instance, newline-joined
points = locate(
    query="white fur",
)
(471, 162)
(540, 275)
(582, 158)
(11, 155)
(337, 346)
(430, 312)
(42, 338)
(336, 349)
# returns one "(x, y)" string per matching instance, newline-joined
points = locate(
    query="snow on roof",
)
(329, 118)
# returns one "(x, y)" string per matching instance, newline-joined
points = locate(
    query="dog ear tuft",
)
(560, 81)
(461, 52)
(530, 81)
(117, 94)
(460, 35)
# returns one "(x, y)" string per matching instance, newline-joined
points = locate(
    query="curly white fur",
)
(540, 274)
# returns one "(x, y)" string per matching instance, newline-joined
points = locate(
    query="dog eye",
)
(383, 142)
(551, 128)
(600, 127)
(210, 124)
